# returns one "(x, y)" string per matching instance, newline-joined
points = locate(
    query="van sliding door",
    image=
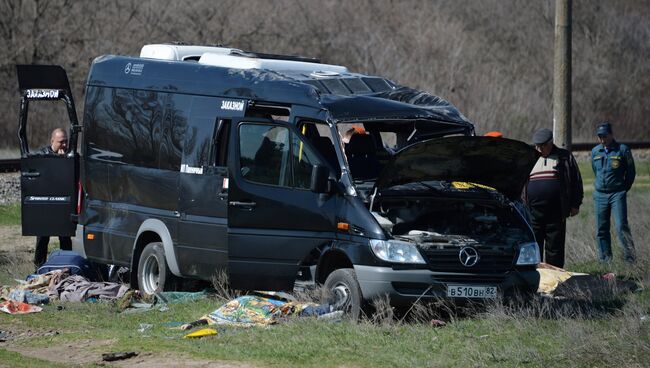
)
(201, 245)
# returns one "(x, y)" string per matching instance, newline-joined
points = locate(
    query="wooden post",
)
(562, 75)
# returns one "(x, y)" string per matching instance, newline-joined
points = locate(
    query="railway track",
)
(9, 165)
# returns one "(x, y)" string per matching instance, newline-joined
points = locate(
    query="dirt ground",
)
(89, 352)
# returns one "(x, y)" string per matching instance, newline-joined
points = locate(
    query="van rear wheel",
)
(153, 272)
(342, 291)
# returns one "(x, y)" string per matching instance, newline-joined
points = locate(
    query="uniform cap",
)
(604, 129)
(542, 136)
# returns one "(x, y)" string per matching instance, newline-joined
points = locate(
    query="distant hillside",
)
(491, 58)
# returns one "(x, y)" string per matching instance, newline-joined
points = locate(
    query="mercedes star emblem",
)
(468, 256)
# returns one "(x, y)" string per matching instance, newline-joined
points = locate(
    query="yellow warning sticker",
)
(469, 185)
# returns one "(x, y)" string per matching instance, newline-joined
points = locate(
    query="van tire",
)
(342, 291)
(153, 273)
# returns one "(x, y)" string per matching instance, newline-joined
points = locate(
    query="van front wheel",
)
(153, 273)
(342, 291)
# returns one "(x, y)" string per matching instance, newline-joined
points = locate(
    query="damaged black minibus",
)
(274, 169)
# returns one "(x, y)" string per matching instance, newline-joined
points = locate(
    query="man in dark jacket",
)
(58, 146)
(614, 170)
(553, 193)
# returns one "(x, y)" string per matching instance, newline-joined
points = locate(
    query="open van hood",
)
(500, 163)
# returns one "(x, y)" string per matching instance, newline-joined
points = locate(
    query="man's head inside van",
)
(355, 129)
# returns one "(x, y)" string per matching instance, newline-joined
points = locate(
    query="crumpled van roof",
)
(347, 96)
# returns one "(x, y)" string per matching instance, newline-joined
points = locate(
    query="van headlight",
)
(528, 254)
(396, 251)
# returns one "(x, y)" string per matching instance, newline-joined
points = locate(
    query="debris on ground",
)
(66, 259)
(170, 297)
(76, 288)
(609, 276)
(437, 323)
(61, 285)
(4, 336)
(111, 357)
(201, 333)
(36, 287)
(14, 307)
(593, 287)
(550, 277)
(133, 302)
(560, 283)
(28, 296)
(252, 310)
(173, 325)
(144, 326)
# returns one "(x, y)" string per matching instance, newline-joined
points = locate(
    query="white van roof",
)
(180, 52)
(242, 62)
(236, 59)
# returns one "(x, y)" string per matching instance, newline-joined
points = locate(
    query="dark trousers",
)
(40, 255)
(608, 204)
(550, 233)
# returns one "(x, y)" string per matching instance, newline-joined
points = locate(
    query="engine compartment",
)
(438, 222)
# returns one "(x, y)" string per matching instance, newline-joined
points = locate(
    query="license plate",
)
(470, 291)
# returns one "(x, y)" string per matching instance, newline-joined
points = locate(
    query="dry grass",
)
(222, 287)
(581, 231)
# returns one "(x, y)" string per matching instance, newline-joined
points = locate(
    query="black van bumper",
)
(406, 286)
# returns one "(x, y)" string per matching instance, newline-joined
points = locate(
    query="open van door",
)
(48, 182)
(274, 219)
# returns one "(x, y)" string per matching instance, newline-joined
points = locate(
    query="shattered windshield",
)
(369, 146)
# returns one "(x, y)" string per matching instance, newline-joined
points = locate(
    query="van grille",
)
(493, 259)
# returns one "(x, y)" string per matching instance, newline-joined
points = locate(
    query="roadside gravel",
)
(9, 188)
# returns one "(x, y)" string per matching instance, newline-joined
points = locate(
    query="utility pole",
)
(562, 75)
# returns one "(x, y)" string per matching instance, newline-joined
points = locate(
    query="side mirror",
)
(320, 179)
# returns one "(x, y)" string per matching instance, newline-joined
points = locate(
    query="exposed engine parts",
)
(441, 223)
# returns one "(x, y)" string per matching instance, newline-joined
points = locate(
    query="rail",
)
(9, 165)
(13, 164)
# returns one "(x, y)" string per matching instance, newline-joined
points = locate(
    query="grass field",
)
(611, 332)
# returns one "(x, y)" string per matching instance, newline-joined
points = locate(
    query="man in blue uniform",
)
(553, 193)
(613, 167)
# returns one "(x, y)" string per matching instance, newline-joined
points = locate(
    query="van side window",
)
(303, 158)
(264, 154)
(268, 111)
(198, 145)
(177, 108)
(127, 126)
(320, 136)
(199, 149)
